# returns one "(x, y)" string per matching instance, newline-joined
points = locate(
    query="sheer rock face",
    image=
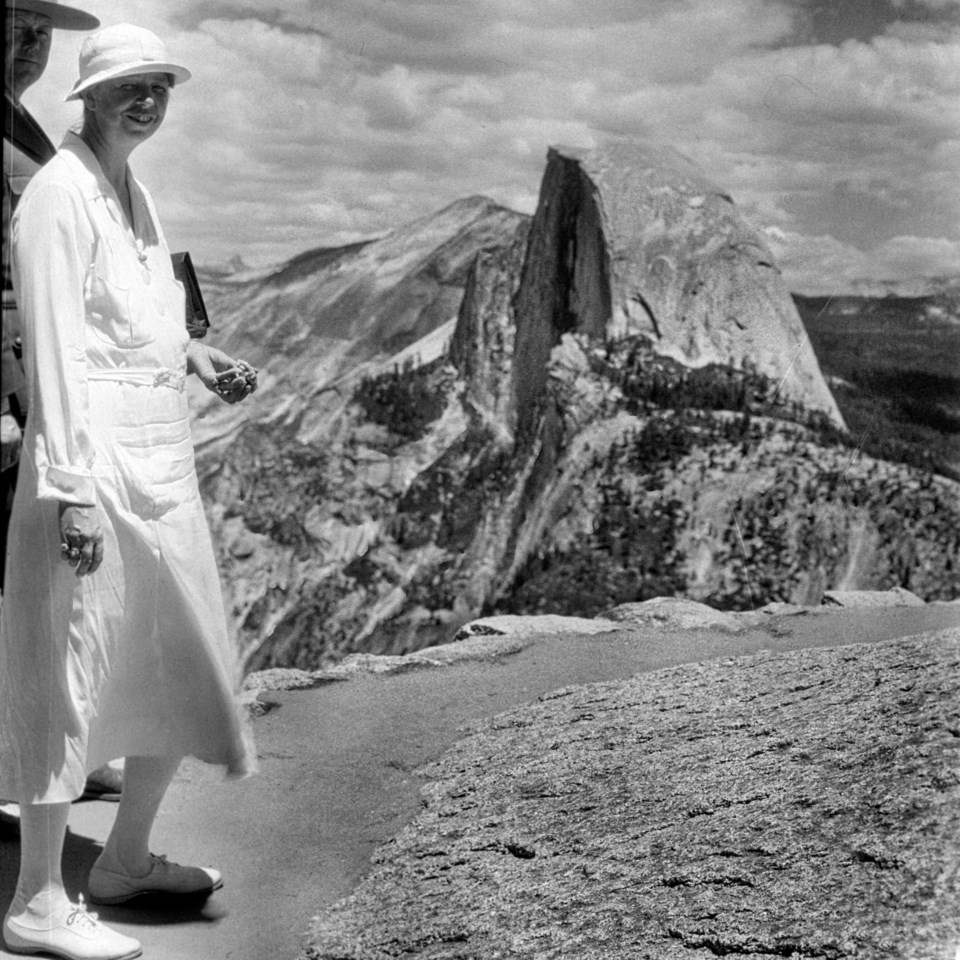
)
(630, 239)
(483, 341)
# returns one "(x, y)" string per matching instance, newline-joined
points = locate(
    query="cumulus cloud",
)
(311, 124)
(822, 264)
(918, 257)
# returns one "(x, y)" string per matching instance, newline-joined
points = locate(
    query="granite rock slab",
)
(802, 804)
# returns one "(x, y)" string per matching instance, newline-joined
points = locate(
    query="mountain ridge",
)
(369, 302)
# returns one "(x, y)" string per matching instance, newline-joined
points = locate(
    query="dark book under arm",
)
(197, 321)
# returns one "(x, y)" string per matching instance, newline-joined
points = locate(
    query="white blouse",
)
(114, 286)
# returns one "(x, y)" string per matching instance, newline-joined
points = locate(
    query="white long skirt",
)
(133, 660)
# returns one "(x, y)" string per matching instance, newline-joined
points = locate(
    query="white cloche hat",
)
(123, 51)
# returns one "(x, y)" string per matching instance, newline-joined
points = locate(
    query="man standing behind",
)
(28, 29)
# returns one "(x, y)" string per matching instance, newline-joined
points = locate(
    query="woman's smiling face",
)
(130, 107)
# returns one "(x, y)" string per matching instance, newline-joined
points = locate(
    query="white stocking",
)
(40, 898)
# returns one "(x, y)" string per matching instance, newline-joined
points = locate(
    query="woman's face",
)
(130, 108)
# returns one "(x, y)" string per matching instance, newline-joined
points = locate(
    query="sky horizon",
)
(834, 124)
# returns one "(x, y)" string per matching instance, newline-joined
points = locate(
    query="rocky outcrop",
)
(801, 804)
(897, 597)
(677, 613)
(482, 346)
(631, 239)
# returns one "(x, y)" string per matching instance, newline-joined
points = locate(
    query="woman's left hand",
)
(231, 380)
(81, 538)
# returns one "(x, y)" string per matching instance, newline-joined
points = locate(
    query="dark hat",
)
(62, 16)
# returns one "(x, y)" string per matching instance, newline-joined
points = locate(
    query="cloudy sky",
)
(835, 124)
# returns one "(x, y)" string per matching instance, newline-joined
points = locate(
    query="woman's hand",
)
(10, 439)
(231, 380)
(81, 539)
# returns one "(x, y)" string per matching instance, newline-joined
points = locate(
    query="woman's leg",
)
(41, 918)
(40, 895)
(146, 779)
(126, 868)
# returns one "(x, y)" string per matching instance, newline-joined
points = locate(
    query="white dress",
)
(133, 660)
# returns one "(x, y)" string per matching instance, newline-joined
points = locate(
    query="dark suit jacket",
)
(25, 135)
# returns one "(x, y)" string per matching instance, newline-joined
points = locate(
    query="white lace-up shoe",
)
(164, 879)
(80, 936)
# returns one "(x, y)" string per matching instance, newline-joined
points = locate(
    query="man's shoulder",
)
(57, 183)
(22, 130)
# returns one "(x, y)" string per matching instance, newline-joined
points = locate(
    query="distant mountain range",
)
(911, 288)
(235, 268)
(609, 401)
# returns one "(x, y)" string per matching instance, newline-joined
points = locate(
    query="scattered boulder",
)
(527, 626)
(255, 693)
(280, 678)
(675, 613)
(484, 644)
(370, 663)
(894, 597)
(778, 608)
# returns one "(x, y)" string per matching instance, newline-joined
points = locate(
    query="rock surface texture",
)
(802, 805)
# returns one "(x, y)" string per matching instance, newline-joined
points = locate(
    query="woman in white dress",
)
(113, 639)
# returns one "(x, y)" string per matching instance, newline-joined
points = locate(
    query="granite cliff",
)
(611, 401)
(630, 240)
